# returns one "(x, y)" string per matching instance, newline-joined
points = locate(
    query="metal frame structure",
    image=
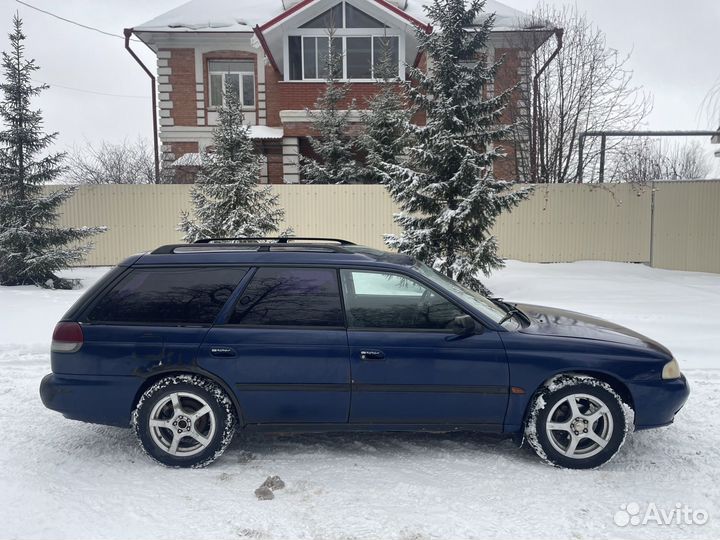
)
(605, 134)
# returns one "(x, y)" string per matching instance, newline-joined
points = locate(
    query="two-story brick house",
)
(272, 51)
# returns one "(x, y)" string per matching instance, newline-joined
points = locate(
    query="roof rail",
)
(276, 239)
(250, 245)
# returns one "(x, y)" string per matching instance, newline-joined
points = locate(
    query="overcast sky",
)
(674, 44)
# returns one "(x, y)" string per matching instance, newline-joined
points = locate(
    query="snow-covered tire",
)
(184, 421)
(577, 422)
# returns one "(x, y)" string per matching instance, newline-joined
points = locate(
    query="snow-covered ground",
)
(64, 479)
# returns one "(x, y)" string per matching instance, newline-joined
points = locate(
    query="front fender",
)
(533, 360)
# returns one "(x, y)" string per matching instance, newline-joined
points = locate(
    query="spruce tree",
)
(386, 117)
(446, 190)
(227, 200)
(335, 149)
(32, 248)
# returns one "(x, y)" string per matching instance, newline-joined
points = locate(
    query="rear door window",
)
(290, 297)
(168, 296)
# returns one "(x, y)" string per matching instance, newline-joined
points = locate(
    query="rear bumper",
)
(657, 402)
(98, 400)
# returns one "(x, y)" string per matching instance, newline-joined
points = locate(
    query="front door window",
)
(394, 301)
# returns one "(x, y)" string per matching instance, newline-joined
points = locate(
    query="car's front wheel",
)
(184, 421)
(577, 422)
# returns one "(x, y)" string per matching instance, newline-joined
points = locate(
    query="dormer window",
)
(363, 42)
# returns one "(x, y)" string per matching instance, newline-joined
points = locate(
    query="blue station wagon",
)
(191, 342)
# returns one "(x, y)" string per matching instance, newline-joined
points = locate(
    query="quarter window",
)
(168, 296)
(384, 300)
(290, 297)
(239, 75)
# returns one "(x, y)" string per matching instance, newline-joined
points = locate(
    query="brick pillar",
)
(291, 160)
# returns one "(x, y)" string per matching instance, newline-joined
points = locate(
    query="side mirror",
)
(464, 325)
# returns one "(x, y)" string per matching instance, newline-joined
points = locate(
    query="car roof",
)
(295, 251)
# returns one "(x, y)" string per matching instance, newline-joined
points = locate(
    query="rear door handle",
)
(222, 351)
(372, 355)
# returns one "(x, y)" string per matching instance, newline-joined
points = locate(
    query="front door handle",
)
(372, 355)
(223, 352)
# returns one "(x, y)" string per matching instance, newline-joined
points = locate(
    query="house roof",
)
(244, 15)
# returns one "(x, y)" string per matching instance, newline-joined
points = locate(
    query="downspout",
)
(153, 92)
(536, 104)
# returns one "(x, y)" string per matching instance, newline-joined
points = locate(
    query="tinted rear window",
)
(290, 297)
(168, 296)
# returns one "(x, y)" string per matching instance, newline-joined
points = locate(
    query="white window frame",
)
(343, 33)
(241, 86)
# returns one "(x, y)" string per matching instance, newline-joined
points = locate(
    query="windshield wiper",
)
(511, 309)
(510, 314)
(500, 302)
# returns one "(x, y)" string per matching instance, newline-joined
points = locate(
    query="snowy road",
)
(64, 479)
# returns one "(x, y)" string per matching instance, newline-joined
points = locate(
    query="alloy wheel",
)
(182, 424)
(579, 426)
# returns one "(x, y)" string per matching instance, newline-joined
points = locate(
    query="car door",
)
(409, 366)
(284, 346)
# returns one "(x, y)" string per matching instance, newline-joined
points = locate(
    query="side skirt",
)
(322, 428)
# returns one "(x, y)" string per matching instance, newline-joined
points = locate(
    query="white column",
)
(291, 160)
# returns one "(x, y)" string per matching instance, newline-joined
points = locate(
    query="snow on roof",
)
(506, 17)
(266, 132)
(194, 159)
(214, 16)
(244, 15)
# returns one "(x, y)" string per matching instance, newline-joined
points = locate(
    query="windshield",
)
(475, 299)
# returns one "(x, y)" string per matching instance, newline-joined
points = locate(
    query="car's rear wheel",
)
(577, 422)
(184, 421)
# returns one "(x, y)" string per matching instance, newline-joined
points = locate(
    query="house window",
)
(332, 18)
(354, 18)
(238, 74)
(361, 43)
(315, 55)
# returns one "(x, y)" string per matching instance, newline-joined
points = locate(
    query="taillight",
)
(67, 337)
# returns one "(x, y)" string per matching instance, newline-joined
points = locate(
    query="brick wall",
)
(273, 152)
(181, 75)
(297, 96)
(505, 168)
(174, 150)
(508, 77)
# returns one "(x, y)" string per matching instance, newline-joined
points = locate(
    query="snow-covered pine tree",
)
(227, 200)
(32, 248)
(387, 116)
(445, 188)
(335, 149)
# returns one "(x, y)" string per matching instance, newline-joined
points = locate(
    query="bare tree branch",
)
(644, 160)
(588, 86)
(107, 163)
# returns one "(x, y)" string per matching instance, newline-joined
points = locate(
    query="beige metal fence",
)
(559, 223)
(686, 228)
